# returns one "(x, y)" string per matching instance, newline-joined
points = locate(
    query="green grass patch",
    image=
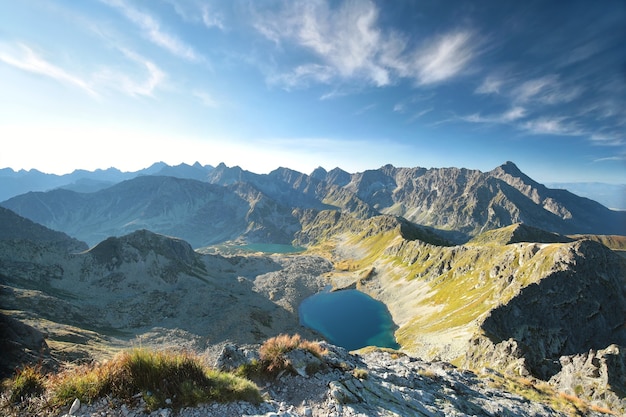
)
(27, 382)
(179, 378)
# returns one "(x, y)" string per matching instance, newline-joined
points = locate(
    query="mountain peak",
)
(511, 171)
(319, 173)
(115, 250)
(510, 168)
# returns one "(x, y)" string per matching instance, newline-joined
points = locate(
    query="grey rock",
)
(303, 362)
(75, 407)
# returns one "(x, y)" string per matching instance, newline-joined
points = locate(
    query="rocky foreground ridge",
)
(370, 382)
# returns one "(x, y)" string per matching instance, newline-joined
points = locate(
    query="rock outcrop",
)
(588, 374)
(369, 383)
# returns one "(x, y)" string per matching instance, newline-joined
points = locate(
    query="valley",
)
(477, 270)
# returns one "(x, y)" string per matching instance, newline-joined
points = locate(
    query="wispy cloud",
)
(152, 30)
(29, 60)
(303, 75)
(553, 126)
(611, 158)
(609, 138)
(212, 19)
(132, 86)
(419, 114)
(508, 116)
(348, 44)
(198, 11)
(365, 109)
(446, 57)
(205, 98)
(547, 90)
(492, 84)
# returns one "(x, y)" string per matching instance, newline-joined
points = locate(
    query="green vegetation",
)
(539, 391)
(27, 382)
(360, 373)
(179, 379)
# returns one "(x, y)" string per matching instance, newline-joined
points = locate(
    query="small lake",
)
(350, 319)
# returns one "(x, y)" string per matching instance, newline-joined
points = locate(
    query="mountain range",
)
(490, 271)
(231, 204)
(14, 183)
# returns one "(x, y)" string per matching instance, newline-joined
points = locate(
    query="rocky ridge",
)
(368, 383)
(231, 204)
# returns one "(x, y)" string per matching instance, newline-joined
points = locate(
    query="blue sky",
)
(356, 84)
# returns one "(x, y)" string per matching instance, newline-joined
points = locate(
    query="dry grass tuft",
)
(273, 350)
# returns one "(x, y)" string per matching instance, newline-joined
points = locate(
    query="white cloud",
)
(445, 58)
(30, 61)
(301, 75)
(552, 126)
(546, 90)
(347, 42)
(153, 31)
(611, 158)
(420, 114)
(533, 88)
(511, 115)
(198, 11)
(609, 138)
(122, 81)
(491, 85)
(212, 19)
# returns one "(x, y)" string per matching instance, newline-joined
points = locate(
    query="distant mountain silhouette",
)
(14, 183)
(228, 204)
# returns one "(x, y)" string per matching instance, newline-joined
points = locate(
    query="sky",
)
(299, 84)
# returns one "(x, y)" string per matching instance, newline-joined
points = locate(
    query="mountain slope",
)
(502, 301)
(14, 227)
(149, 286)
(199, 212)
(471, 201)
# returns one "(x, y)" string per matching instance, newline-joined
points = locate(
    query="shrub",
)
(272, 352)
(27, 382)
(360, 373)
(158, 376)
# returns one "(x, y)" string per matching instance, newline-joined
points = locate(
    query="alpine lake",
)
(349, 318)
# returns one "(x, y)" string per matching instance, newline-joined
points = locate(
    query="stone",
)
(75, 407)
(303, 362)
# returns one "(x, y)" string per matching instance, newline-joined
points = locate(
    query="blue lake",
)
(350, 319)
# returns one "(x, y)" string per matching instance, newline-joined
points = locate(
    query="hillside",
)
(201, 213)
(518, 298)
